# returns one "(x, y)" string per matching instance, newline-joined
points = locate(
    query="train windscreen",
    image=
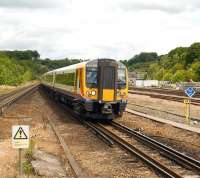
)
(121, 81)
(91, 77)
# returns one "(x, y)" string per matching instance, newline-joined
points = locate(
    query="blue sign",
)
(190, 91)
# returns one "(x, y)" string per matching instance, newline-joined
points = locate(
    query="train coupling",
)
(106, 108)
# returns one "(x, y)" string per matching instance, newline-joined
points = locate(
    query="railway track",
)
(194, 101)
(9, 98)
(6, 95)
(165, 160)
(164, 91)
(165, 121)
(75, 166)
(180, 117)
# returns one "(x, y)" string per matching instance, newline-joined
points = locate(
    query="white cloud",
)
(35, 4)
(101, 28)
(175, 6)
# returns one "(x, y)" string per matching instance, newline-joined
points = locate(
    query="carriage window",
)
(49, 78)
(91, 77)
(121, 81)
(66, 79)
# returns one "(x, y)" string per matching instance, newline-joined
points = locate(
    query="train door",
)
(107, 80)
(77, 86)
(54, 79)
(108, 83)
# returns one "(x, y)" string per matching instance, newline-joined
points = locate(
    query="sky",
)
(90, 29)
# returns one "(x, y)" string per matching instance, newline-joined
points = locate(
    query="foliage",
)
(54, 64)
(143, 57)
(180, 64)
(17, 67)
(29, 151)
(27, 166)
(141, 62)
(23, 55)
(11, 72)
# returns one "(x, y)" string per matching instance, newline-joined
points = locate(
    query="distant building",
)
(133, 76)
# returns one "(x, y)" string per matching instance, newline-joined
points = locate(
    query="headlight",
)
(118, 93)
(93, 93)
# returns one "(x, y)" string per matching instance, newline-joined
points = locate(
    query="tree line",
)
(180, 64)
(17, 67)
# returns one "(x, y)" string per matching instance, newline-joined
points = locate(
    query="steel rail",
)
(164, 91)
(6, 95)
(162, 169)
(101, 134)
(194, 101)
(14, 96)
(159, 110)
(179, 157)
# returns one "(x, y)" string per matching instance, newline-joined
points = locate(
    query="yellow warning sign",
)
(20, 136)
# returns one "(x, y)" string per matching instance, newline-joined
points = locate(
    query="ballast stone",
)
(46, 164)
(43, 168)
(41, 155)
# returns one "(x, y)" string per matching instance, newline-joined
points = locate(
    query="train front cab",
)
(105, 88)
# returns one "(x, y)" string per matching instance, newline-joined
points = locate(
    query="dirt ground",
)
(185, 141)
(27, 111)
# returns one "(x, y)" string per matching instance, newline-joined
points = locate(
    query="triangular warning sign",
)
(20, 134)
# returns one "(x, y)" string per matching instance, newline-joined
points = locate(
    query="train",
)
(96, 89)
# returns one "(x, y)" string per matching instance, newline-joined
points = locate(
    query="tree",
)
(168, 76)
(196, 69)
(23, 55)
(143, 57)
(179, 76)
(193, 53)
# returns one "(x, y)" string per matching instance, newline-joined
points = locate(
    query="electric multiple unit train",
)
(97, 89)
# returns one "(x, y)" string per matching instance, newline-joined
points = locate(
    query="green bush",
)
(27, 167)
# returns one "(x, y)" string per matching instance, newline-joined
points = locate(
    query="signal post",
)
(190, 92)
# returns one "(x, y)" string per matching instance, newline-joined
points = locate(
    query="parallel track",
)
(163, 111)
(194, 101)
(9, 98)
(164, 91)
(6, 95)
(171, 154)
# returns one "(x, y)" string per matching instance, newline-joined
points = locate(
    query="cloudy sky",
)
(98, 28)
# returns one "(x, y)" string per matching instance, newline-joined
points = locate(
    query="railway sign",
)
(20, 136)
(190, 91)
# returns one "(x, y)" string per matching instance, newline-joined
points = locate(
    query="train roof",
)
(72, 68)
(68, 68)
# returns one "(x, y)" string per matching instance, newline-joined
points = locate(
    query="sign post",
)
(20, 162)
(20, 140)
(187, 110)
(190, 92)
